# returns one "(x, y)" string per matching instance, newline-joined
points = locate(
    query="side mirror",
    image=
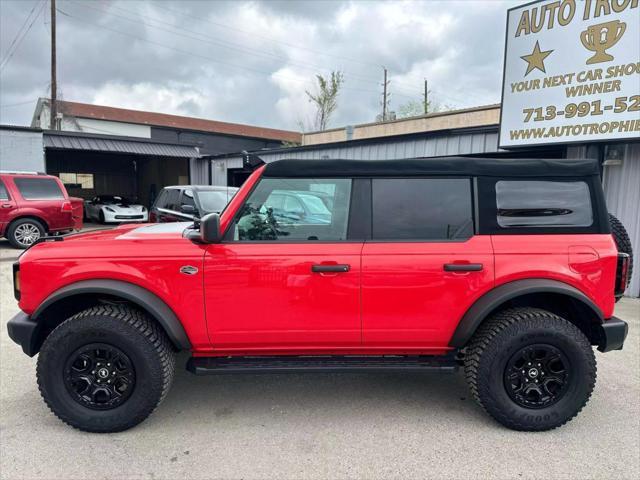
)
(209, 230)
(189, 209)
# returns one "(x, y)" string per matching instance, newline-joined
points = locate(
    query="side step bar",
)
(302, 364)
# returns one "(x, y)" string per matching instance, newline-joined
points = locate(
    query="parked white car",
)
(114, 209)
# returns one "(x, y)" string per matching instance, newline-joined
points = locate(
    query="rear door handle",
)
(339, 268)
(462, 267)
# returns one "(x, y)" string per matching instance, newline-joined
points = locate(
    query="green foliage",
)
(413, 108)
(326, 98)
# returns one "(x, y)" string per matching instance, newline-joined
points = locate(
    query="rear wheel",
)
(105, 369)
(25, 232)
(530, 369)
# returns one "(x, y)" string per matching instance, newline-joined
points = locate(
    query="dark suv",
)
(507, 268)
(187, 202)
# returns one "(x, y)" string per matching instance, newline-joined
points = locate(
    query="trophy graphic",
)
(600, 37)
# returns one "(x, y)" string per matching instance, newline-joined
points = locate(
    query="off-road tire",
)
(499, 338)
(126, 329)
(623, 242)
(13, 228)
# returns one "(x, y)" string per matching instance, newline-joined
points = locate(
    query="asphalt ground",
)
(319, 425)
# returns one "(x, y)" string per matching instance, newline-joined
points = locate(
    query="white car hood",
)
(130, 209)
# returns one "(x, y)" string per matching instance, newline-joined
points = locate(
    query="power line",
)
(213, 40)
(21, 35)
(196, 55)
(253, 34)
(184, 52)
(20, 30)
(9, 105)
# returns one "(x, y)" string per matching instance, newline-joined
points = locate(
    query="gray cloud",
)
(250, 62)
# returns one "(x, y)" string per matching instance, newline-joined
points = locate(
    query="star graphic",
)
(536, 59)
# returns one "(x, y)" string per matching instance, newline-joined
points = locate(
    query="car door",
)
(288, 287)
(424, 266)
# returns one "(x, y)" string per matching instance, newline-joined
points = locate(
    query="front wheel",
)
(530, 369)
(105, 369)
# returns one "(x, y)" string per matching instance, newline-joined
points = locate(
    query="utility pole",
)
(53, 111)
(426, 101)
(385, 95)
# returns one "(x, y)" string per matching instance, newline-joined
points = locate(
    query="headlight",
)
(144, 209)
(109, 209)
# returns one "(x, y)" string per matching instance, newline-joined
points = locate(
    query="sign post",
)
(571, 73)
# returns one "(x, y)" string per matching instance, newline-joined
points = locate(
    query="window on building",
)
(530, 203)
(294, 210)
(78, 180)
(38, 188)
(422, 209)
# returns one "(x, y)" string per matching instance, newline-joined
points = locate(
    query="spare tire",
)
(623, 242)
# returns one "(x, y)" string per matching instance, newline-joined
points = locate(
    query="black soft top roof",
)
(467, 166)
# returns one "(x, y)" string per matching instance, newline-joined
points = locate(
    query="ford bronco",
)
(507, 268)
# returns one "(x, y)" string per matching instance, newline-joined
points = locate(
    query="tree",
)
(413, 108)
(326, 98)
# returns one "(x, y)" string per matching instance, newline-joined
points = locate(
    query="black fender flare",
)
(135, 294)
(491, 300)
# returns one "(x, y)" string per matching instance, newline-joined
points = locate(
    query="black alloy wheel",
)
(537, 376)
(99, 376)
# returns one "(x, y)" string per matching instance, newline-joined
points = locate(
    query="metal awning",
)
(115, 144)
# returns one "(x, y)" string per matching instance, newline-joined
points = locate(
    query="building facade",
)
(125, 152)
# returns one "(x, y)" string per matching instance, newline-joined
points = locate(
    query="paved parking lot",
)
(319, 426)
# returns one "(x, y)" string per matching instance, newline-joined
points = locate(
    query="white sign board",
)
(571, 72)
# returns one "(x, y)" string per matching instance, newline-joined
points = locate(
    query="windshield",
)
(212, 201)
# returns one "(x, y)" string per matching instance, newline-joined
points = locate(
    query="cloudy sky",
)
(250, 62)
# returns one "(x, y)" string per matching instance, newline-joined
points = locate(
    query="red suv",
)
(507, 268)
(33, 205)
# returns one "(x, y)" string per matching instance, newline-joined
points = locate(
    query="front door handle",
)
(462, 267)
(335, 268)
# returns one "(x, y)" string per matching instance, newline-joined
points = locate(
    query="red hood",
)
(125, 241)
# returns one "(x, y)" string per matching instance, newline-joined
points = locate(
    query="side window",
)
(38, 188)
(172, 199)
(4, 195)
(529, 203)
(187, 198)
(292, 209)
(161, 200)
(422, 209)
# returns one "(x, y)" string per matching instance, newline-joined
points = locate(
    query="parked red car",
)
(33, 205)
(507, 268)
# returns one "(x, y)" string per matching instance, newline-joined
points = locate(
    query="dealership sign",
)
(571, 72)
